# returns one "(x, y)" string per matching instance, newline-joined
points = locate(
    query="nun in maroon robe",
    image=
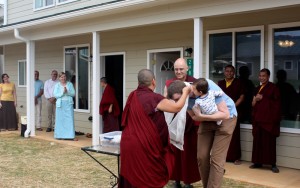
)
(186, 165)
(110, 119)
(236, 92)
(146, 156)
(266, 116)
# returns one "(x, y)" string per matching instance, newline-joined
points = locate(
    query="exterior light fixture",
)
(188, 52)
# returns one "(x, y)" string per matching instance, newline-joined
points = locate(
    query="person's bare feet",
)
(237, 162)
(75, 139)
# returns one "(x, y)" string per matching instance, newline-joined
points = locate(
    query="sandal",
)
(89, 135)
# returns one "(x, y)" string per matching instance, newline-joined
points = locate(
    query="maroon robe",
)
(234, 91)
(146, 156)
(186, 165)
(266, 125)
(110, 120)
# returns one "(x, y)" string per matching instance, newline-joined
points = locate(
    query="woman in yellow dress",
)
(8, 103)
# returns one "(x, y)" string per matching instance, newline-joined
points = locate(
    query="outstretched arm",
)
(167, 105)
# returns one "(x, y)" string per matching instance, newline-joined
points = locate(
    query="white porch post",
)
(96, 88)
(198, 47)
(30, 64)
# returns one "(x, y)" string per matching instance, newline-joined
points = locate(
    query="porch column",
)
(198, 47)
(30, 110)
(96, 88)
(30, 64)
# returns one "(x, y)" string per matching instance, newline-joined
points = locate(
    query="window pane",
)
(43, 3)
(22, 73)
(83, 77)
(220, 54)
(287, 73)
(248, 54)
(70, 67)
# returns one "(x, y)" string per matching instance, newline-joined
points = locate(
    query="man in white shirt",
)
(50, 99)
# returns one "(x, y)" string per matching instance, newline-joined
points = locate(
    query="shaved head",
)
(180, 68)
(145, 77)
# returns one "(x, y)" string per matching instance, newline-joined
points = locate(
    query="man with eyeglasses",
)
(185, 161)
(50, 99)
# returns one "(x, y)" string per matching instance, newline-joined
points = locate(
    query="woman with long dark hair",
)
(8, 103)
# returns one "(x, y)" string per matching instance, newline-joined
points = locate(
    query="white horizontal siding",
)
(288, 148)
(22, 10)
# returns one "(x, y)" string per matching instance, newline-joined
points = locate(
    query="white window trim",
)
(68, 1)
(89, 75)
(234, 31)
(44, 7)
(21, 61)
(282, 129)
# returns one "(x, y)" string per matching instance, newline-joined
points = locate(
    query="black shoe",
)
(275, 169)
(177, 184)
(48, 129)
(256, 166)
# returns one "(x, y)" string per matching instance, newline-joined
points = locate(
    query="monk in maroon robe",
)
(109, 108)
(186, 165)
(146, 156)
(235, 90)
(266, 122)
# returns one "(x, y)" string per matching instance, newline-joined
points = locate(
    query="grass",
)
(38, 163)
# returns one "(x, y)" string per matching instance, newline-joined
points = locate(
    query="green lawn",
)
(39, 163)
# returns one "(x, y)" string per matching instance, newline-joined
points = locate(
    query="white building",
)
(117, 38)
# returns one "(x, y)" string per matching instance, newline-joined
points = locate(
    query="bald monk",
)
(146, 156)
(186, 169)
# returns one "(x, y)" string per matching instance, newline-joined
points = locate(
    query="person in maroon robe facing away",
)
(186, 165)
(266, 116)
(146, 155)
(234, 88)
(109, 108)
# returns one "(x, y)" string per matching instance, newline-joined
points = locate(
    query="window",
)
(77, 68)
(40, 4)
(22, 73)
(286, 49)
(238, 48)
(64, 1)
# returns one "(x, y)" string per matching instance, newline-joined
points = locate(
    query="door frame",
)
(149, 52)
(102, 70)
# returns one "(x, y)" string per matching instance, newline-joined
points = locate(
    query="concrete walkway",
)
(287, 178)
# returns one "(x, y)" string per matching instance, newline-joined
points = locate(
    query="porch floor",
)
(287, 178)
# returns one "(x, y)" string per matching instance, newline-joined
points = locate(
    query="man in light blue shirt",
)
(38, 92)
(213, 140)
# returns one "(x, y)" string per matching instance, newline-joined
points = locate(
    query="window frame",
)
(271, 29)
(43, 7)
(89, 75)
(234, 31)
(65, 2)
(25, 72)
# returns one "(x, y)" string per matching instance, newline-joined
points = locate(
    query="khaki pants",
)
(38, 114)
(212, 147)
(51, 114)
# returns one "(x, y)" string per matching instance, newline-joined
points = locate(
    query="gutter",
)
(28, 128)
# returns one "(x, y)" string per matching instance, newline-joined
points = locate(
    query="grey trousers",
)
(51, 114)
(212, 146)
